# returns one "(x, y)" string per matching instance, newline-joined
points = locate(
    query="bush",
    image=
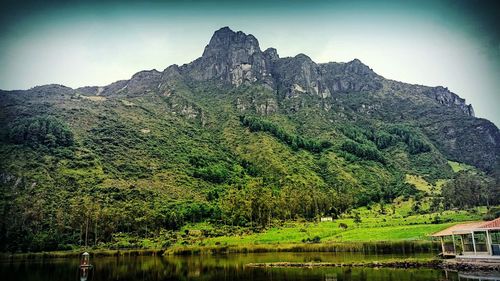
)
(414, 143)
(216, 173)
(436, 220)
(315, 239)
(492, 214)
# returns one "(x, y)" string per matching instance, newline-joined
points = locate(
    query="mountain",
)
(239, 136)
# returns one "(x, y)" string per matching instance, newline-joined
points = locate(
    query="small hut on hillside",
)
(478, 239)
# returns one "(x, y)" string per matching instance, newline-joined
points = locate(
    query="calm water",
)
(228, 267)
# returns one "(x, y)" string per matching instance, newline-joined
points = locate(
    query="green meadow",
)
(392, 223)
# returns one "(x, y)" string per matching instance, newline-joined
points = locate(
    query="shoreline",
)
(379, 247)
(375, 247)
(78, 253)
(404, 264)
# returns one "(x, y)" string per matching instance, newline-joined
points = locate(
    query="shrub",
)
(492, 214)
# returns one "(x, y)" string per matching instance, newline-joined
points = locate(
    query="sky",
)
(455, 44)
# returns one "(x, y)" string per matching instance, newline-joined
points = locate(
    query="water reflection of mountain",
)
(481, 276)
(217, 268)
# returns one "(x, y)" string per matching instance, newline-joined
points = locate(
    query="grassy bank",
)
(78, 253)
(363, 247)
(390, 223)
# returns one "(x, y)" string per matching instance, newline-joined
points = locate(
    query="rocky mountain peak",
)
(226, 41)
(303, 58)
(271, 53)
(232, 58)
(357, 67)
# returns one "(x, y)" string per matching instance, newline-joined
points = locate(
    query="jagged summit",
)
(226, 40)
(234, 58)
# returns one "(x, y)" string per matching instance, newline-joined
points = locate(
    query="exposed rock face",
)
(353, 76)
(299, 75)
(235, 58)
(439, 94)
(468, 140)
(144, 81)
(267, 107)
(231, 57)
(445, 97)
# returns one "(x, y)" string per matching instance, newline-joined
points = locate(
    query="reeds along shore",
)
(396, 247)
(365, 247)
(77, 253)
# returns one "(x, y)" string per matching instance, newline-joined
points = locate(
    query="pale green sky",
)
(451, 43)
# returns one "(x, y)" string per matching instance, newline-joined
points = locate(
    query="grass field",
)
(457, 167)
(394, 223)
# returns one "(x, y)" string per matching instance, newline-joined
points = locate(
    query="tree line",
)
(295, 141)
(384, 138)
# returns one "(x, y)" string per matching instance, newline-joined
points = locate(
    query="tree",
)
(357, 218)
(467, 189)
(416, 208)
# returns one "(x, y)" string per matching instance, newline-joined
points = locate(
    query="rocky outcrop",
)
(232, 58)
(299, 75)
(115, 88)
(235, 58)
(443, 96)
(439, 95)
(353, 76)
(144, 81)
(468, 140)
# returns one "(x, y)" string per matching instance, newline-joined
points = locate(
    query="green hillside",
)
(166, 149)
(140, 164)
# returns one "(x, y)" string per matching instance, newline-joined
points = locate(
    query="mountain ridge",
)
(236, 72)
(234, 59)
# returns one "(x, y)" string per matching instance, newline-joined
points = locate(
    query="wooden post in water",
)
(474, 243)
(442, 245)
(463, 244)
(454, 246)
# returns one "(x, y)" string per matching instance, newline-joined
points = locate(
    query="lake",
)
(223, 267)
